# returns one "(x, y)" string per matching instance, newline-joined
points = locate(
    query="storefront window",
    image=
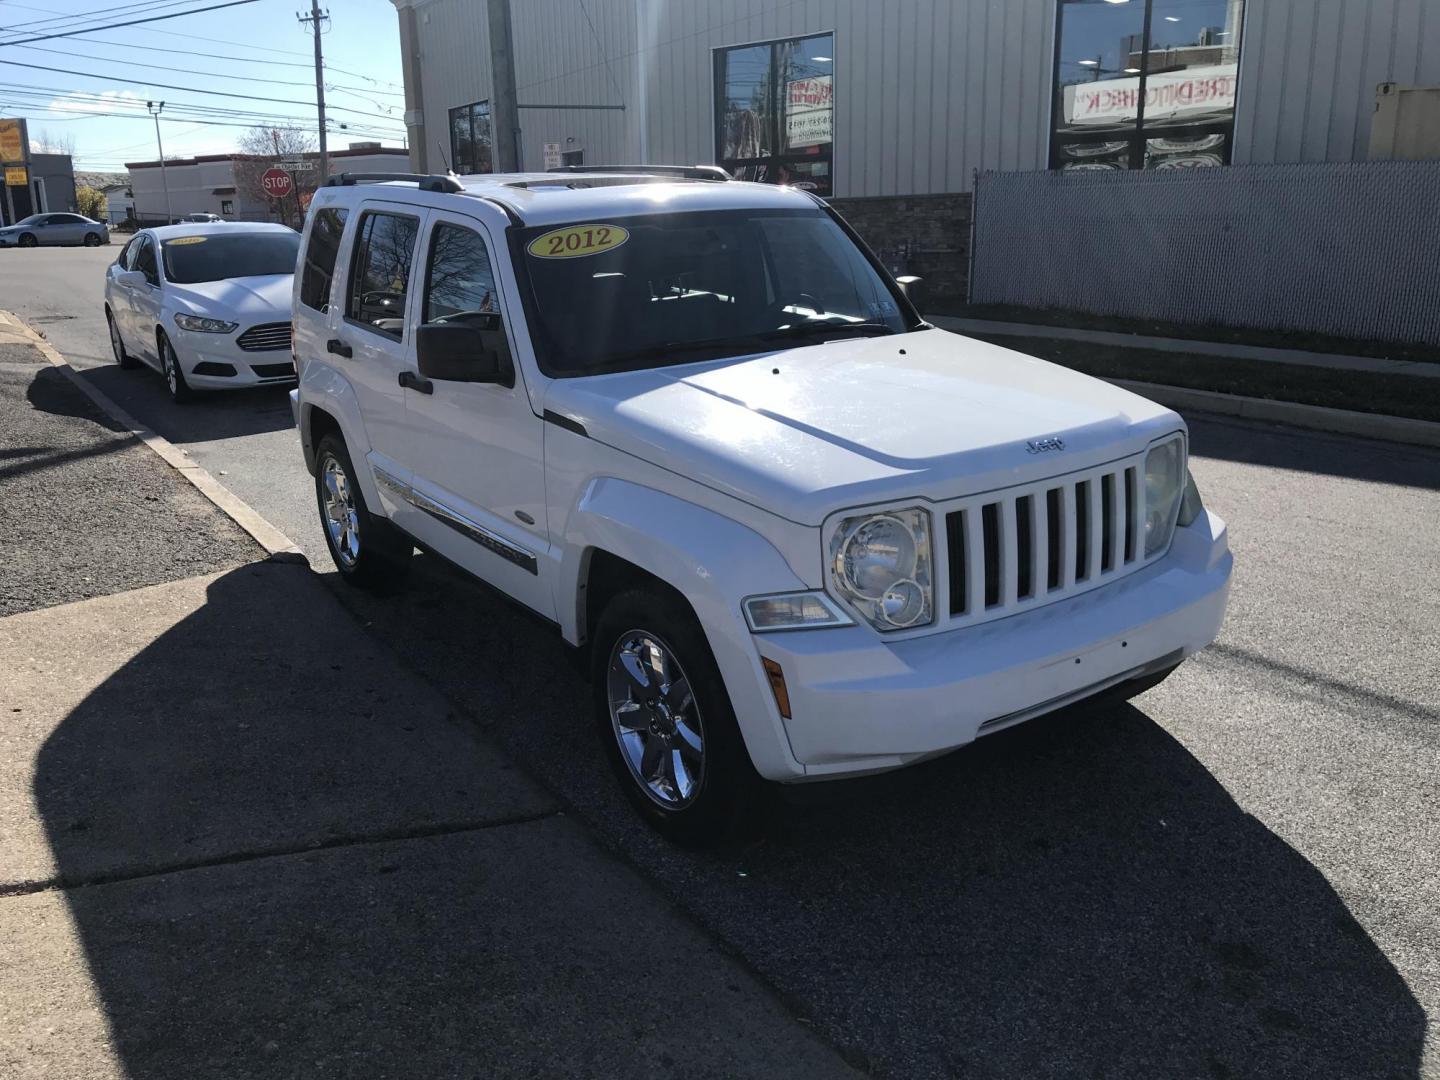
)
(775, 112)
(1146, 84)
(470, 139)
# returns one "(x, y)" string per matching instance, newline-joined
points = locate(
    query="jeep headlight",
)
(1164, 485)
(881, 565)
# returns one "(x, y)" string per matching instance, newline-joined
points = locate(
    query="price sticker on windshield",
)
(573, 241)
(179, 240)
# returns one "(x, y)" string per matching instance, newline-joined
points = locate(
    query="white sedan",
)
(208, 306)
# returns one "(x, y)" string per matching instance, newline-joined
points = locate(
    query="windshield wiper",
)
(816, 329)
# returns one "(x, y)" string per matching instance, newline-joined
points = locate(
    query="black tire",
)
(728, 790)
(27, 240)
(379, 558)
(117, 346)
(92, 239)
(180, 391)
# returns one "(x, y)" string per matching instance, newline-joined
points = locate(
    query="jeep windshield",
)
(635, 292)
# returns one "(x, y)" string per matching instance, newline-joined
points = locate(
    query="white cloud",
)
(105, 101)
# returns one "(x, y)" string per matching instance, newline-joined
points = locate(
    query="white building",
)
(207, 184)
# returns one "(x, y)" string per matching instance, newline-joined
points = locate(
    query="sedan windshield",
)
(33, 219)
(190, 260)
(673, 288)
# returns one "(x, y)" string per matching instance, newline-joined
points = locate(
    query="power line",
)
(132, 22)
(187, 89)
(145, 6)
(163, 67)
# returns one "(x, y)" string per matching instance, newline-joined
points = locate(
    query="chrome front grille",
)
(1010, 550)
(265, 337)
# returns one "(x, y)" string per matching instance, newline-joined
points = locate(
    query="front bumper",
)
(215, 362)
(859, 704)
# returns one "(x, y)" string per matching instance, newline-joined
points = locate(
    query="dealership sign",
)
(1168, 95)
(12, 140)
(808, 111)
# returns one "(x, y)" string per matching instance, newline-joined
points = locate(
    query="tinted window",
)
(215, 257)
(459, 284)
(380, 271)
(676, 288)
(320, 256)
(126, 259)
(144, 260)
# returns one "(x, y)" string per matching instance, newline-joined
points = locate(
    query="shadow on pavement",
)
(222, 414)
(1074, 897)
(286, 857)
(1254, 443)
(51, 391)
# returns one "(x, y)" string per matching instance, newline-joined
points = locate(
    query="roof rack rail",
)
(688, 172)
(432, 182)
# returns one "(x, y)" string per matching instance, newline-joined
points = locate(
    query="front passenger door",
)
(478, 465)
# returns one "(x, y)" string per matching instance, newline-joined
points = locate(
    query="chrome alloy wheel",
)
(656, 719)
(171, 363)
(342, 522)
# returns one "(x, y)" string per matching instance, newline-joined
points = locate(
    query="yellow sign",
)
(16, 177)
(12, 146)
(574, 241)
(179, 240)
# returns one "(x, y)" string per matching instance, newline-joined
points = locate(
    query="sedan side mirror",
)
(131, 279)
(463, 352)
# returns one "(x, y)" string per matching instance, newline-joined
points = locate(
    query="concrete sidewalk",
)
(239, 839)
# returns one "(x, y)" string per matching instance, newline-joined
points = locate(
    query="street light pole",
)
(155, 108)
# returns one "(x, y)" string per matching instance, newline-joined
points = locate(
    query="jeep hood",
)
(806, 431)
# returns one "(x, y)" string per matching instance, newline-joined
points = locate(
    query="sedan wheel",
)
(92, 239)
(180, 391)
(28, 241)
(117, 346)
(656, 719)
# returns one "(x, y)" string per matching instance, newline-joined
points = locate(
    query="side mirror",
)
(131, 279)
(463, 352)
(910, 286)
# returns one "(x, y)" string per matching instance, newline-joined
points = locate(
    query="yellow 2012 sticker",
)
(574, 241)
(184, 240)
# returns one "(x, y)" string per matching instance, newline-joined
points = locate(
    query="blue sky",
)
(224, 54)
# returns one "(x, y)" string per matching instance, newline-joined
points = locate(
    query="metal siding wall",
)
(1335, 247)
(926, 91)
(1309, 69)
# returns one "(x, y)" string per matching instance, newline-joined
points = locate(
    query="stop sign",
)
(277, 183)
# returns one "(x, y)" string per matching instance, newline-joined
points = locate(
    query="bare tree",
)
(265, 148)
(47, 142)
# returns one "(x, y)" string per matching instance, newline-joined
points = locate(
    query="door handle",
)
(410, 381)
(339, 348)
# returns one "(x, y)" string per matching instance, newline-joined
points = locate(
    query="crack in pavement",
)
(60, 883)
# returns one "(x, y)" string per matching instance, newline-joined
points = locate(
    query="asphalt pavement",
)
(1236, 875)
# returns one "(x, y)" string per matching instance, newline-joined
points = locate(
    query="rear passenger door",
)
(372, 333)
(479, 473)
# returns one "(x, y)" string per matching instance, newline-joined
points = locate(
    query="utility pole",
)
(314, 19)
(504, 114)
(156, 107)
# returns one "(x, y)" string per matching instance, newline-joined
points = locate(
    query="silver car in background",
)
(55, 229)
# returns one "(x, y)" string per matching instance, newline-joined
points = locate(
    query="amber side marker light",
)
(777, 685)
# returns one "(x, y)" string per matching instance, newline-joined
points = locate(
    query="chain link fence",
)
(1349, 249)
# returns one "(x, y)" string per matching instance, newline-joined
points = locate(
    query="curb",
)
(1397, 429)
(277, 545)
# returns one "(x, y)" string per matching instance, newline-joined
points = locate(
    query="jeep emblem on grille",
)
(1039, 446)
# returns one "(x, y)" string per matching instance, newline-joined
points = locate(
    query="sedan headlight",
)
(1164, 485)
(204, 326)
(881, 565)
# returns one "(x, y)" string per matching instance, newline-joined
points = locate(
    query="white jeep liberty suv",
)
(695, 424)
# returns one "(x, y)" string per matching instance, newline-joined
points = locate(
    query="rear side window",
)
(380, 272)
(320, 256)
